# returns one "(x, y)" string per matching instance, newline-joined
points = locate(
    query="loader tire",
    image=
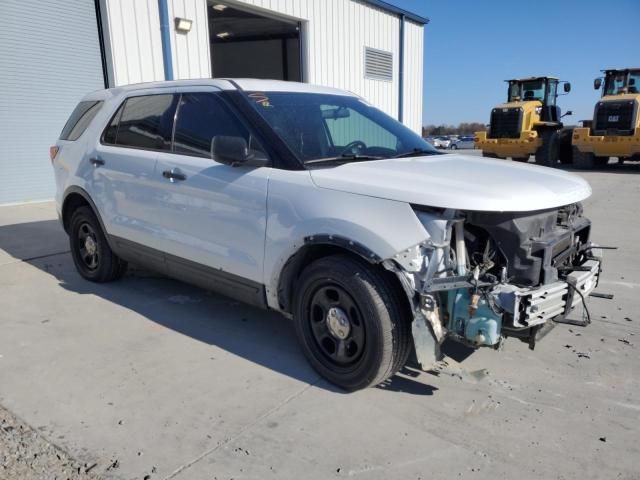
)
(548, 152)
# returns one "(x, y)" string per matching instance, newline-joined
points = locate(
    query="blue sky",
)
(472, 46)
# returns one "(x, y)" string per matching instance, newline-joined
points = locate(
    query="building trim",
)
(103, 52)
(401, 71)
(165, 35)
(398, 11)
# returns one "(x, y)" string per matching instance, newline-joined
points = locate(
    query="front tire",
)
(587, 160)
(520, 159)
(489, 155)
(351, 322)
(549, 152)
(90, 250)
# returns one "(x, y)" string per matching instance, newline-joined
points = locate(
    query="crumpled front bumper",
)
(530, 307)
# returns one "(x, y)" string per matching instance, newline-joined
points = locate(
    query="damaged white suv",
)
(309, 201)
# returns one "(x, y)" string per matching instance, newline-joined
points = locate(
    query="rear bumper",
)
(524, 146)
(606, 146)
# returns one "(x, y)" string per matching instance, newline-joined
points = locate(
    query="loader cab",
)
(619, 82)
(541, 89)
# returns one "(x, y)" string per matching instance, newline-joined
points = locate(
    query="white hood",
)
(457, 181)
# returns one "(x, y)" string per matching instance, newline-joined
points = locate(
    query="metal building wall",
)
(413, 75)
(335, 33)
(133, 37)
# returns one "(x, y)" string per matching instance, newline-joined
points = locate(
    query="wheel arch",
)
(75, 197)
(324, 245)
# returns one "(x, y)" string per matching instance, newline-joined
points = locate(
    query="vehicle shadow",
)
(614, 166)
(265, 338)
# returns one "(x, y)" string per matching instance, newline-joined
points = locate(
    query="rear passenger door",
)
(122, 167)
(211, 217)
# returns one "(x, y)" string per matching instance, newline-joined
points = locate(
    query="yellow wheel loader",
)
(615, 128)
(529, 123)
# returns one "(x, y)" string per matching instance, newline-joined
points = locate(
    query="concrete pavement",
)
(151, 377)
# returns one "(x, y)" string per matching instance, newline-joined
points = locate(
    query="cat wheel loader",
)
(529, 123)
(614, 130)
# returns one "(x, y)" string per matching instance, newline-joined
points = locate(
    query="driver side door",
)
(212, 216)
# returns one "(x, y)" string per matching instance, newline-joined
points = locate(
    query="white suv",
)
(309, 201)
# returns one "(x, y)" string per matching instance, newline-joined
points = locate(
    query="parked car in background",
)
(462, 142)
(308, 201)
(443, 142)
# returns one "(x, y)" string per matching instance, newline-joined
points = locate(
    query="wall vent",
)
(378, 64)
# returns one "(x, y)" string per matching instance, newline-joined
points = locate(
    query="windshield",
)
(526, 91)
(622, 82)
(320, 126)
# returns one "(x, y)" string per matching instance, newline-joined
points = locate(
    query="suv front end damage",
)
(481, 277)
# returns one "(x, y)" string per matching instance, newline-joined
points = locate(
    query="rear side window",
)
(202, 116)
(80, 119)
(143, 122)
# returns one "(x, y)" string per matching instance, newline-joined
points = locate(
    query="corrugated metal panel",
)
(336, 33)
(49, 59)
(190, 51)
(134, 40)
(378, 65)
(413, 75)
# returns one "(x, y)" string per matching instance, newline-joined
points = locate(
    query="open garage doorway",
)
(247, 45)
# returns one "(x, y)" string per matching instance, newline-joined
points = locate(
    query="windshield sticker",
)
(261, 98)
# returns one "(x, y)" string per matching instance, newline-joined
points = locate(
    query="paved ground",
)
(150, 378)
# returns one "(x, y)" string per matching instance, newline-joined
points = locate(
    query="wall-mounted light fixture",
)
(183, 25)
(219, 7)
(222, 34)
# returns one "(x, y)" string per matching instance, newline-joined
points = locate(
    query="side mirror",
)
(567, 87)
(597, 83)
(229, 150)
(567, 113)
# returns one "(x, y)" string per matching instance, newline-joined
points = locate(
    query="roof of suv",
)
(249, 84)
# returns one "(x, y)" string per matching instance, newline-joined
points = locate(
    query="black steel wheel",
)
(336, 325)
(351, 321)
(90, 250)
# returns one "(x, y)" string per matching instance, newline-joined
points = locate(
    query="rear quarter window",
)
(80, 119)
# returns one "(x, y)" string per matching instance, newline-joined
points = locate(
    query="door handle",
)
(174, 174)
(96, 162)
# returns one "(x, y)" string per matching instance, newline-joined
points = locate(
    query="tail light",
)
(53, 151)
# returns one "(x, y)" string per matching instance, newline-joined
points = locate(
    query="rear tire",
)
(351, 322)
(489, 155)
(520, 159)
(90, 250)
(548, 152)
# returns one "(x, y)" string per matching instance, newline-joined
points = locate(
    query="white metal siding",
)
(134, 40)
(190, 51)
(336, 33)
(49, 59)
(413, 75)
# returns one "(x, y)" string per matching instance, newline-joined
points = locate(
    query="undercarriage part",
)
(479, 324)
(529, 307)
(530, 335)
(534, 244)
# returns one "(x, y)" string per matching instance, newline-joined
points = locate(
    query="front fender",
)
(299, 212)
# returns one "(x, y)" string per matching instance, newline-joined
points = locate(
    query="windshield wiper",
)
(345, 157)
(417, 151)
